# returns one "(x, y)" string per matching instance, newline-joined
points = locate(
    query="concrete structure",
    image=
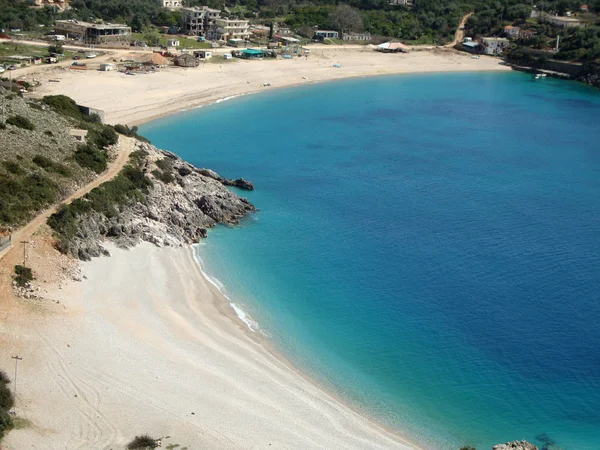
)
(526, 34)
(408, 3)
(171, 4)
(564, 22)
(226, 29)
(511, 31)
(94, 33)
(106, 67)
(172, 42)
(196, 21)
(203, 54)
(326, 34)
(494, 45)
(79, 135)
(286, 41)
(356, 36)
(186, 60)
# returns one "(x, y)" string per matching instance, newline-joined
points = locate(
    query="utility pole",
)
(24, 253)
(17, 358)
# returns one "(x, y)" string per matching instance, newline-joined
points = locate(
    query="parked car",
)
(76, 57)
(90, 55)
(12, 67)
(2, 69)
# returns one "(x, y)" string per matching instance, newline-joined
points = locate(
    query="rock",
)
(516, 445)
(172, 214)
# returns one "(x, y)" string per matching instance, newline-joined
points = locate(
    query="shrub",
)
(6, 422)
(104, 137)
(131, 132)
(51, 166)
(165, 164)
(92, 118)
(21, 122)
(2, 126)
(90, 157)
(4, 377)
(142, 442)
(13, 167)
(165, 177)
(468, 447)
(63, 105)
(23, 275)
(48, 133)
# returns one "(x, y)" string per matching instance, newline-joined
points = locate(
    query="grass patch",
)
(142, 442)
(23, 275)
(90, 157)
(21, 122)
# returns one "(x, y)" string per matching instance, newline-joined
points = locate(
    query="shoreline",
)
(145, 343)
(134, 100)
(264, 341)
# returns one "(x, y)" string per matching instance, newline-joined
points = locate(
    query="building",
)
(494, 45)
(356, 36)
(197, 21)
(564, 22)
(526, 34)
(407, 3)
(79, 135)
(584, 8)
(511, 31)
(225, 29)
(94, 33)
(286, 41)
(393, 47)
(171, 4)
(326, 34)
(172, 42)
(472, 46)
(186, 60)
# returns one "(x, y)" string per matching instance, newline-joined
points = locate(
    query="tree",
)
(55, 48)
(345, 19)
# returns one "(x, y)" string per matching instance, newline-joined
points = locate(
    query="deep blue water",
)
(428, 246)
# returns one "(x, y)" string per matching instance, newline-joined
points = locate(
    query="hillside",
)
(40, 162)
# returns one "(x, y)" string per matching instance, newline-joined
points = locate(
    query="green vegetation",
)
(7, 401)
(129, 186)
(63, 105)
(91, 157)
(153, 38)
(13, 167)
(131, 132)
(468, 447)
(23, 275)
(51, 166)
(142, 442)
(22, 196)
(21, 122)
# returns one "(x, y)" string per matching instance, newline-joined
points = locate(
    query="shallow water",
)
(426, 245)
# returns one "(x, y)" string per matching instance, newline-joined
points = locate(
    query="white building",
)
(565, 22)
(401, 2)
(226, 29)
(326, 34)
(197, 20)
(172, 42)
(494, 45)
(356, 36)
(171, 4)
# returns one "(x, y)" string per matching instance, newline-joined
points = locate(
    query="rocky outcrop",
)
(516, 445)
(181, 204)
(239, 183)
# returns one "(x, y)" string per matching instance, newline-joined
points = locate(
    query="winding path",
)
(460, 31)
(24, 233)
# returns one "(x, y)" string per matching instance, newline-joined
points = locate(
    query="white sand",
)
(135, 99)
(143, 343)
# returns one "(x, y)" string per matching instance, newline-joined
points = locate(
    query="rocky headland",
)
(158, 198)
(515, 445)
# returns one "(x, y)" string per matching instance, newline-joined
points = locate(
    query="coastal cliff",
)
(158, 198)
(515, 445)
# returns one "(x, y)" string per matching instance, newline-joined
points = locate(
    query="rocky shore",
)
(180, 205)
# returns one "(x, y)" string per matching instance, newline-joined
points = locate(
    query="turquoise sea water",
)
(427, 246)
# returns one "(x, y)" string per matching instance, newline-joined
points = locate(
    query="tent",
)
(393, 47)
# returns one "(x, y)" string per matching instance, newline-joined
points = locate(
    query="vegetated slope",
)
(40, 162)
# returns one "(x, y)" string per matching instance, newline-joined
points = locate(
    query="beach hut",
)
(106, 67)
(393, 47)
(203, 54)
(186, 60)
(172, 42)
(227, 56)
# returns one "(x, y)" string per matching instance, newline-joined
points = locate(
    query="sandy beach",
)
(145, 344)
(136, 99)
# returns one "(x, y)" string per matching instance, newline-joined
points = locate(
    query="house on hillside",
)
(511, 32)
(472, 46)
(94, 33)
(562, 21)
(196, 21)
(408, 3)
(584, 8)
(494, 45)
(172, 4)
